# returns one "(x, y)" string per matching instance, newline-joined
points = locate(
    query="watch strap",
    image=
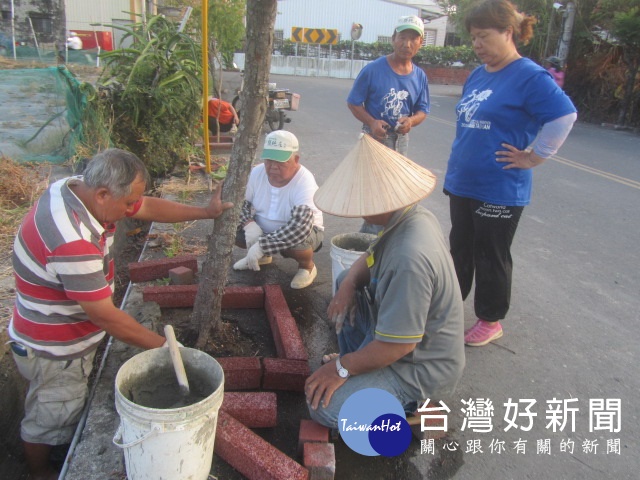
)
(340, 368)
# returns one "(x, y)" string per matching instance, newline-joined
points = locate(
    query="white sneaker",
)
(242, 263)
(304, 278)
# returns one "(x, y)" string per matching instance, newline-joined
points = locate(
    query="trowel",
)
(176, 358)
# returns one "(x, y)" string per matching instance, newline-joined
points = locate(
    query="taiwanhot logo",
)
(372, 422)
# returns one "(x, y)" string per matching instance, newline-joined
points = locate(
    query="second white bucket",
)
(168, 443)
(346, 249)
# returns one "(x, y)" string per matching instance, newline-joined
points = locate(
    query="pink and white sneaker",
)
(482, 333)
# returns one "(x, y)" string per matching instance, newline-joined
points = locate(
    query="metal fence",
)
(310, 66)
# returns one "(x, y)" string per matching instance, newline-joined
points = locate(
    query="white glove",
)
(254, 254)
(252, 233)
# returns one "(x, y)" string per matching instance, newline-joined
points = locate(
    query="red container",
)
(92, 39)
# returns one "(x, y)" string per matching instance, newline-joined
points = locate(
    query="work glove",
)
(252, 233)
(254, 254)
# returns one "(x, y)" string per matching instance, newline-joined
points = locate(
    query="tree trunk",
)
(261, 16)
(632, 62)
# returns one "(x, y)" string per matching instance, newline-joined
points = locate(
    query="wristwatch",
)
(343, 372)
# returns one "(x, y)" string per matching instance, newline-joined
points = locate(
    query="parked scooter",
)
(279, 100)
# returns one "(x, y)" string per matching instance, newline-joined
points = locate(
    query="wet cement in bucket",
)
(356, 242)
(159, 389)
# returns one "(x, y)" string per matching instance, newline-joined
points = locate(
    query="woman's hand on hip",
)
(515, 158)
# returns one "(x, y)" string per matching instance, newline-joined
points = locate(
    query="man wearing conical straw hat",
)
(398, 310)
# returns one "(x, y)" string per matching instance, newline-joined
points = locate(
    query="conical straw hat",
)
(371, 180)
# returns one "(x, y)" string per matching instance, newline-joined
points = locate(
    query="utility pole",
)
(13, 31)
(555, 7)
(565, 39)
(356, 32)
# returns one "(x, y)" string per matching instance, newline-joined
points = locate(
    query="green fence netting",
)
(47, 55)
(42, 111)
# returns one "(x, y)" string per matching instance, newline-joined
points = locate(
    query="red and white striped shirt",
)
(61, 255)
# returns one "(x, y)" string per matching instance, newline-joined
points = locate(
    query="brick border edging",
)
(242, 411)
(177, 296)
(149, 270)
(285, 331)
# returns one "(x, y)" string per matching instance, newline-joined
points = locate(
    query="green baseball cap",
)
(279, 146)
(410, 22)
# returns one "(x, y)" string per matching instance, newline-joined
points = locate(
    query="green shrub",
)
(444, 56)
(150, 93)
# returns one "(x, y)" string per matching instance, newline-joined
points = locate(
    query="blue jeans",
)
(395, 141)
(351, 339)
(398, 142)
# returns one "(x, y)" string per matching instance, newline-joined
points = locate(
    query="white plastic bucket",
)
(167, 443)
(346, 249)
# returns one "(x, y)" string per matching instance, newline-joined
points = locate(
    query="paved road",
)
(575, 308)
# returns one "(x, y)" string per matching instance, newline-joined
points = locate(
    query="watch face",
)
(342, 372)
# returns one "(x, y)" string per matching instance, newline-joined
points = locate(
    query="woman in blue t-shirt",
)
(511, 117)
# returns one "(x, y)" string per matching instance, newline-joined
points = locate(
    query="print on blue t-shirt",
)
(509, 106)
(387, 95)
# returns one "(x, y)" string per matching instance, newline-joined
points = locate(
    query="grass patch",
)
(20, 187)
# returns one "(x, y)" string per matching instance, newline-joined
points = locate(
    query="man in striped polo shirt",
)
(64, 272)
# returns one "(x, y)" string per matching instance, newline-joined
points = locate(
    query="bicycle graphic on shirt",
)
(393, 103)
(471, 103)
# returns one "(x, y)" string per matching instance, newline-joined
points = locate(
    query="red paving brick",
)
(284, 329)
(320, 459)
(175, 296)
(241, 373)
(288, 340)
(252, 409)
(181, 276)
(283, 374)
(171, 296)
(275, 304)
(311, 431)
(243, 297)
(154, 269)
(251, 455)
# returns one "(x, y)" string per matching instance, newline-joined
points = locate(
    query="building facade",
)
(46, 22)
(376, 16)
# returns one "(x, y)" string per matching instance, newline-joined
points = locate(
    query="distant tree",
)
(619, 21)
(226, 28)
(541, 9)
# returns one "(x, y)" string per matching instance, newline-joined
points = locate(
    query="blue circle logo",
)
(372, 422)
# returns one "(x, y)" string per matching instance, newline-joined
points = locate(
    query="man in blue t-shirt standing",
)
(391, 94)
